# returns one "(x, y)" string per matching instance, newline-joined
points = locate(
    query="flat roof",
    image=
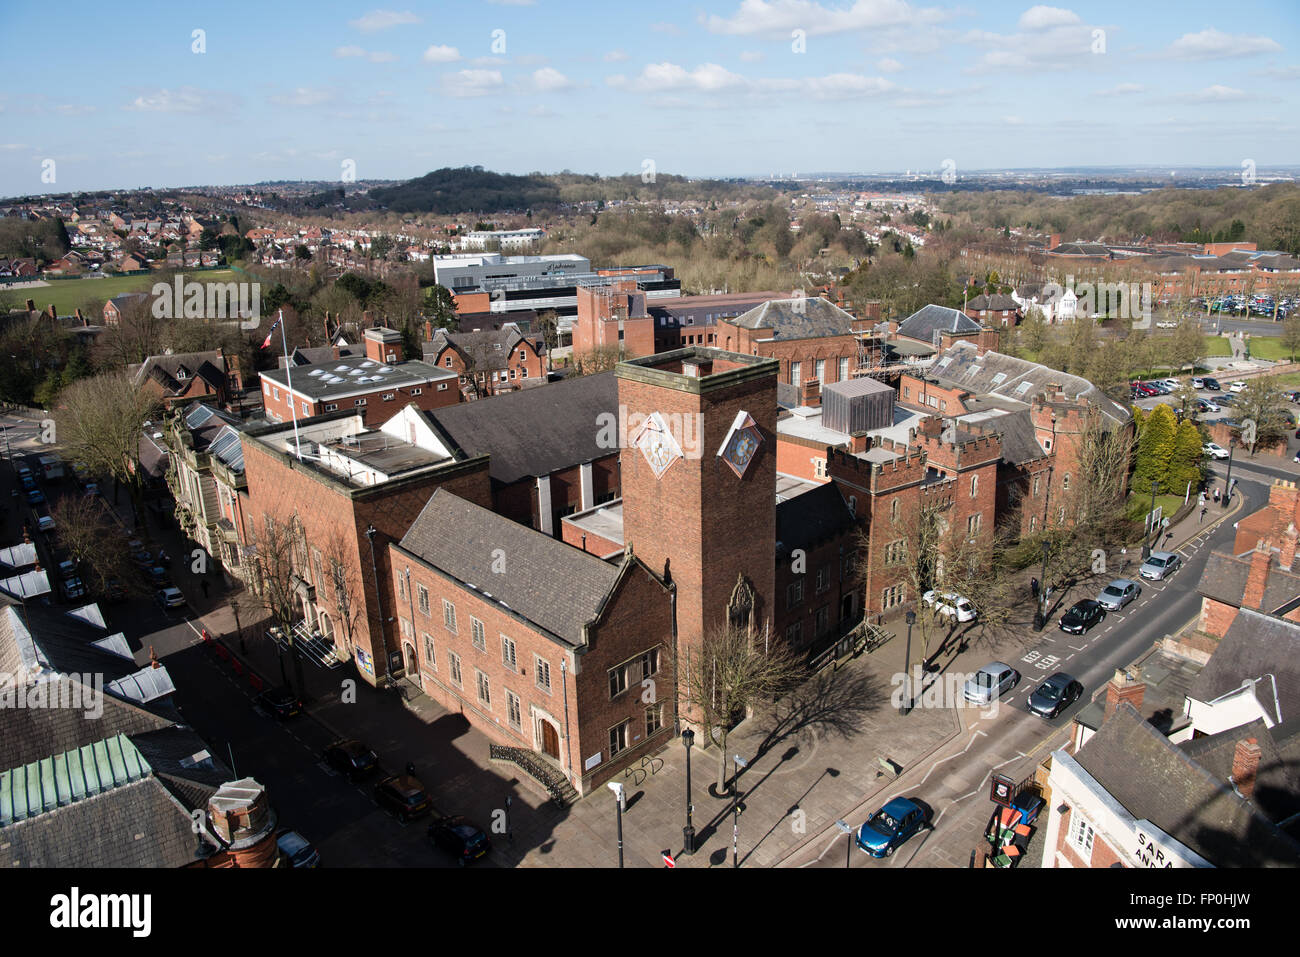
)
(604, 520)
(355, 375)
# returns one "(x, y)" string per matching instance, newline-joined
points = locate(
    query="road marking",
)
(951, 756)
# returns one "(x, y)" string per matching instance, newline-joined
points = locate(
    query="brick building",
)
(613, 317)
(489, 361)
(181, 378)
(377, 384)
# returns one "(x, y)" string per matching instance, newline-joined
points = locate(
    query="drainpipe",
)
(379, 598)
(568, 749)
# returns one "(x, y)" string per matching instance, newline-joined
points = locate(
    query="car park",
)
(1118, 594)
(1160, 565)
(1055, 695)
(1172, 383)
(460, 838)
(950, 605)
(297, 849)
(404, 796)
(170, 597)
(886, 830)
(279, 702)
(1081, 616)
(351, 759)
(991, 681)
(1215, 451)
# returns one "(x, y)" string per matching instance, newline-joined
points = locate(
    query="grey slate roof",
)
(798, 319)
(533, 431)
(1224, 579)
(555, 586)
(335, 377)
(1156, 781)
(998, 302)
(923, 323)
(486, 350)
(811, 518)
(1277, 781)
(1255, 645)
(167, 370)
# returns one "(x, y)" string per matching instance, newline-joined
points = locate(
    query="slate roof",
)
(1019, 436)
(923, 323)
(811, 518)
(555, 586)
(167, 370)
(798, 319)
(1156, 781)
(1255, 645)
(1277, 781)
(535, 431)
(997, 302)
(1224, 579)
(486, 350)
(305, 356)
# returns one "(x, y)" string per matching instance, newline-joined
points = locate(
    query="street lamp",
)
(735, 810)
(848, 848)
(1227, 480)
(1146, 549)
(688, 832)
(906, 706)
(1040, 616)
(617, 788)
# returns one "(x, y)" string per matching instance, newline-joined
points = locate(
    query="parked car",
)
(35, 497)
(158, 576)
(45, 523)
(114, 590)
(352, 759)
(403, 796)
(1198, 382)
(279, 702)
(1212, 384)
(1172, 383)
(72, 588)
(950, 604)
(1082, 616)
(1217, 451)
(169, 597)
(458, 837)
(1118, 594)
(1160, 565)
(991, 681)
(887, 829)
(1055, 695)
(141, 557)
(297, 848)
(1238, 386)
(1205, 405)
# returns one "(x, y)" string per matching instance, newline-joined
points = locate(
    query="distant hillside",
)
(468, 189)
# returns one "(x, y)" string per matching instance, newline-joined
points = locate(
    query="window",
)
(844, 369)
(618, 738)
(974, 485)
(896, 553)
(819, 369)
(513, 710)
(508, 653)
(449, 615)
(617, 680)
(476, 633)
(795, 373)
(1081, 835)
(1060, 516)
(442, 387)
(523, 372)
(277, 394)
(423, 594)
(404, 627)
(448, 362)
(895, 510)
(1033, 524)
(973, 525)
(650, 663)
(429, 657)
(306, 409)
(654, 718)
(331, 406)
(387, 397)
(417, 392)
(819, 468)
(1037, 479)
(853, 504)
(453, 667)
(360, 402)
(794, 593)
(401, 587)
(542, 673)
(484, 689)
(893, 597)
(1065, 482)
(823, 578)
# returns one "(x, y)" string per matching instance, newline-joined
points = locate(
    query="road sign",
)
(668, 860)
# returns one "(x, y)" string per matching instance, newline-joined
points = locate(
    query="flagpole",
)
(288, 378)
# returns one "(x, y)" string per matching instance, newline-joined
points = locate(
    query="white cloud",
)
(1216, 45)
(441, 54)
(186, 99)
(660, 77)
(472, 83)
(616, 56)
(548, 80)
(304, 96)
(711, 78)
(377, 20)
(1051, 44)
(74, 109)
(1215, 94)
(1041, 18)
(782, 16)
(1123, 89)
(374, 56)
(752, 56)
(889, 65)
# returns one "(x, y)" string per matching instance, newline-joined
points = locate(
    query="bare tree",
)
(275, 548)
(84, 527)
(727, 674)
(600, 359)
(346, 587)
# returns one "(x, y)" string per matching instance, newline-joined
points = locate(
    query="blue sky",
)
(293, 90)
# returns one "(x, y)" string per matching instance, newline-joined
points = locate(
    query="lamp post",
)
(1146, 549)
(1227, 480)
(906, 706)
(688, 832)
(735, 810)
(618, 794)
(1040, 616)
(848, 849)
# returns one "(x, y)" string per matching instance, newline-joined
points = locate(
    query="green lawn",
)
(69, 294)
(1140, 504)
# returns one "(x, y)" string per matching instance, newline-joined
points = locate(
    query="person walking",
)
(1216, 495)
(1202, 513)
(1033, 587)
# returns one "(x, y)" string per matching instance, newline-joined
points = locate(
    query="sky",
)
(241, 92)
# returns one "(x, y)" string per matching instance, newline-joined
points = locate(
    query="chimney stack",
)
(1245, 766)
(241, 818)
(1287, 557)
(1127, 685)
(1257, 577)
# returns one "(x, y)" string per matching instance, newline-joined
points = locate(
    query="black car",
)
(1082, 616)
(279, 702)
(459, 838)
(403, 796)
(1212, 385)
(351, 758)
(1055, 695)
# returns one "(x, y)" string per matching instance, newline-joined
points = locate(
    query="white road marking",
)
(951, 756)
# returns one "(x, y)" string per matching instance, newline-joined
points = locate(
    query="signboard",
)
(592, 761)
(1155, 849)
(364, 663)
(1001, 790)
(668, 860)
(1153, 519)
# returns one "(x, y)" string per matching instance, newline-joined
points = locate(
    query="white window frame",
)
(509, 653)
(542, 667)
(449, 616)
(478, 635)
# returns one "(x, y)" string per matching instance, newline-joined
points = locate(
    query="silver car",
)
(1118, 594)
(1160, 565)
(991, 681)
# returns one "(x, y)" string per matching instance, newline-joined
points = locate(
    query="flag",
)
(267, 341)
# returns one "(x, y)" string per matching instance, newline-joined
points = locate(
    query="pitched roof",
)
(798, 318)
(555, 586)
(1253, 646)
(1156, 781)
(485, 350)
(996, 302)
(811, 518)
(927, 320)
(536, 431)
(1277, 780)
(1224, 580)
(173, 372)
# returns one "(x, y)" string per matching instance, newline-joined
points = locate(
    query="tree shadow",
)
(837, 702)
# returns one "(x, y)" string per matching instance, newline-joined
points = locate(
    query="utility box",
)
(857, 405)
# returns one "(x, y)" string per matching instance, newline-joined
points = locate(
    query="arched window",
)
(894, 510)
(974, 485)
(1065, 483)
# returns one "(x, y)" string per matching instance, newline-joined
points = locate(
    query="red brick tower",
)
(699, 482)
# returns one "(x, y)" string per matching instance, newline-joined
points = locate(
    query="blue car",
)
(889, 827)
(35, 497)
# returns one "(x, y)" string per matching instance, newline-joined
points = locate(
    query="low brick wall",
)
(1221, 434)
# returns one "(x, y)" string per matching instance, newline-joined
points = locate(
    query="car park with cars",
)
(1118, 594)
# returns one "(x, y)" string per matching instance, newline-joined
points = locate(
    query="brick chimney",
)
(1257, 578)
(859, 441)
(810, 393)
(367, 319)
(1245, 765)
(242, 821)
(428, 330)
(1127, 685)
(1287, 558)
(338, 353)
